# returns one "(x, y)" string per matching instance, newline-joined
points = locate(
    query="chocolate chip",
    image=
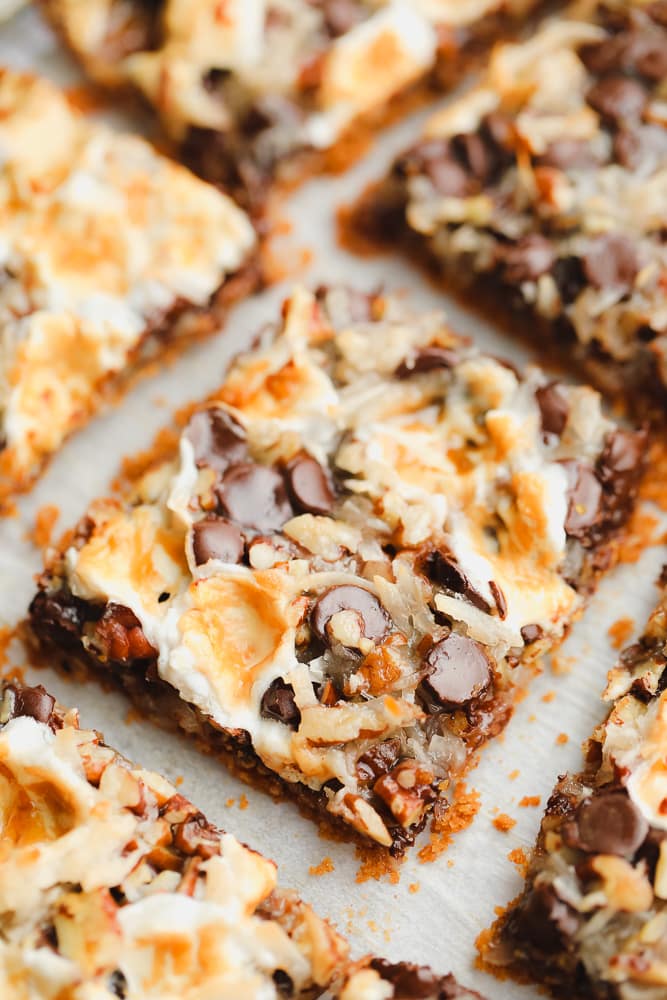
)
(217, 438)
(34, 702)
(617, 98)
(254, 496)
(611, 261)
(545, 920)
(567, 154)
(619, 469)
(216, 538)
(459, 670)
(118, 984)
(476, 155)
(427, 359)
(531, 633)
(554, 408)
(585, 495)
(568, 273)
(278, 703)
(308, 486)
(284, 983)
(609, 823)
(434, 159)
(378, 760)
(418, 982)
(441, 567)
(640, 144)
(527, 259)
(374, 620)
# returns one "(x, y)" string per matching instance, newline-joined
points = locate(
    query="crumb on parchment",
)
(503, 822)
(325, 866)
(620, 631)
(562, 739)
(530, 801)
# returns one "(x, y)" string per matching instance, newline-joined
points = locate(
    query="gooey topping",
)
(102, 238)
(351, 573)
(112, 884)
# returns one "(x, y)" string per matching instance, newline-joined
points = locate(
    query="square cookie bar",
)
(113, 885)
(252, 90)
(110, 253)
(337, 572)
(592, 921)
(543, 191)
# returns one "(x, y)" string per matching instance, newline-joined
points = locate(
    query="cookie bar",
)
(114, 885)
(361, 536)
(110, 253)
(592, 921)
(543, 191)
(247, 91)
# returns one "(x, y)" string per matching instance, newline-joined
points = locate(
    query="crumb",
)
(326, 865)
(372, 926)
(414, 887)
(520, 695)
(243, 801)
(462, 811)
(45, 520)
(503, 822)
(518, 857)
(513, 775)
(450, 863)
(229, 803)
(8, 508)
(530, 801)
(549, 696)
(562, 664)
(375, 864)
(178, 780)
(562, 739)
(620, 632)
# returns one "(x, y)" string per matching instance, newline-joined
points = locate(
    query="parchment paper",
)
(435, 912)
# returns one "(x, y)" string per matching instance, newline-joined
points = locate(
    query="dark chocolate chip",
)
(554, 408)
(527, 259)
(278, 703)
(611, 261)
(378, 760)
(308, 486)
(284, 983)
(375, 622)
(459, 670)
(531, 633)
(118, 984)
(34, 702)
(584, 498)
(216, 538)
(254, 496)
(568, 273)
(619, 469)
(640, 144)
(617, 98)
(427, 359)
(567, 154)
(434, 159)
(217, 438)
(441, 567)
(476, 155)
(609, 823)
(545, 920)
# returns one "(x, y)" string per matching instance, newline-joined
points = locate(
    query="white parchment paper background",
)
(457, 894)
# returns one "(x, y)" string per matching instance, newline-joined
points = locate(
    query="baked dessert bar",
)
(114, 885)
(110, 252)
(335, 576)
(592, 920)
(544, 189)
(247, 90)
